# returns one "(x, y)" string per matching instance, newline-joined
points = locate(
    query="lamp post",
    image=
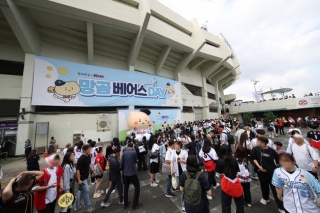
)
(254, 81)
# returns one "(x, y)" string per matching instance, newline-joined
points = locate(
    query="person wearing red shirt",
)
(281, 127)
(100, 164)
(49, 186)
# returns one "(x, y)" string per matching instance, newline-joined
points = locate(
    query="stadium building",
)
(148, 51)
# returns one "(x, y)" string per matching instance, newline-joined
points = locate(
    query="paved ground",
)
(153, 199)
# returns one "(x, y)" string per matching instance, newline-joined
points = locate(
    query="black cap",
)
(148, 112)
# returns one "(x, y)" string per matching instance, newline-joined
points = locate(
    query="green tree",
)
(246, 118)
(269, 116)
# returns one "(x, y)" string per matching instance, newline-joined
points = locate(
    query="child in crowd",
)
(278, 145)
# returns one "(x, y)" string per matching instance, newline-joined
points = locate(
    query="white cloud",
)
(276, 42)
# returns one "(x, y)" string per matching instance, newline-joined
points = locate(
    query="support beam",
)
(224, 73)
(196, 63)
(22, 25)
(225, 80)
(198, 42)
(145, 13)
(211, 67)
(162, 58)
(90, 42)
(216, 72)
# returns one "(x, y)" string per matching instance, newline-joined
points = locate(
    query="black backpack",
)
(230, 138)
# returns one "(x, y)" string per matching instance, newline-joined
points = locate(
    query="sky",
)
(276, 42)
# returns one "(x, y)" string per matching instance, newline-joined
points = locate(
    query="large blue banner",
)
(63, 83)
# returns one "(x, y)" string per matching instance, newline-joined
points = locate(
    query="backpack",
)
(230, 138)
(192, 189)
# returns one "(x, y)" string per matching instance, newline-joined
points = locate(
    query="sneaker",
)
(105, 204)
(249, 205)
(217, 186)
(113, 191)
(264, 202)
(282, 211)
(89, 210)
(157, 181)
(153, 184)
(183, 209)
(92, 183)
(97, 195)
(137, 206)
(80, 208)
(100, 191)
(121, 203)
(170, 195)
(175, 190)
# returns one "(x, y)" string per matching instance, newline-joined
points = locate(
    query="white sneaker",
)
(105, 204)
(153, 184)
(121, 203)
(157, 181)
(107, 191)
(217, 186)
(249, 205)
(113, 191)
(264, 202)
(282, 211)
(100, 191)
(183, 209)
(97, 195)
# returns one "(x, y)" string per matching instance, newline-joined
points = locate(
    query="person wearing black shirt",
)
(33, 161)
(191, 146)
(17, 196)
(228, 166)
(82, 175)
(266, 160)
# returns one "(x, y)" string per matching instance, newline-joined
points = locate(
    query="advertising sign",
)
(308, 102)
(145, 121)
(62, 83)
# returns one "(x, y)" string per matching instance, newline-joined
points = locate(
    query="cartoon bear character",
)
(170, 89)
(139, 123)
(64, 91)
(139, 120)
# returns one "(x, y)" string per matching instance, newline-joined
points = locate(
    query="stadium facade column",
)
(217, 93)
(205, 102)
(26, 125)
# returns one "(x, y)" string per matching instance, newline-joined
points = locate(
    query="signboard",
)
(8, 124)
(308, 102)
(42, 128)
(145, 121)
(103, 122)
(62, 83)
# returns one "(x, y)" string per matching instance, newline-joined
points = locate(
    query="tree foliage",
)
(247, 118)
(269, 116)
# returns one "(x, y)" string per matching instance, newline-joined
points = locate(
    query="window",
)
(11, 67)
(194, 89)
(213, 109)
(211, 96)
(187, 109)
(9, 108)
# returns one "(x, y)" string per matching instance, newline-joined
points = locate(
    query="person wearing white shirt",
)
(179, 164)
(261, 133)
(238, 134)
(306, 157)
(167, 167)
(154, 164)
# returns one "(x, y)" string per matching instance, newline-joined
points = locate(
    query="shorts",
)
(270, 129)
(154, 168)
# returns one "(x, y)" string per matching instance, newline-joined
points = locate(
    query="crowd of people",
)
(196, 157)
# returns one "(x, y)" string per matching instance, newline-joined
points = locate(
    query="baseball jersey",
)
(315, 138)
(297, 194)
(93, 155)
